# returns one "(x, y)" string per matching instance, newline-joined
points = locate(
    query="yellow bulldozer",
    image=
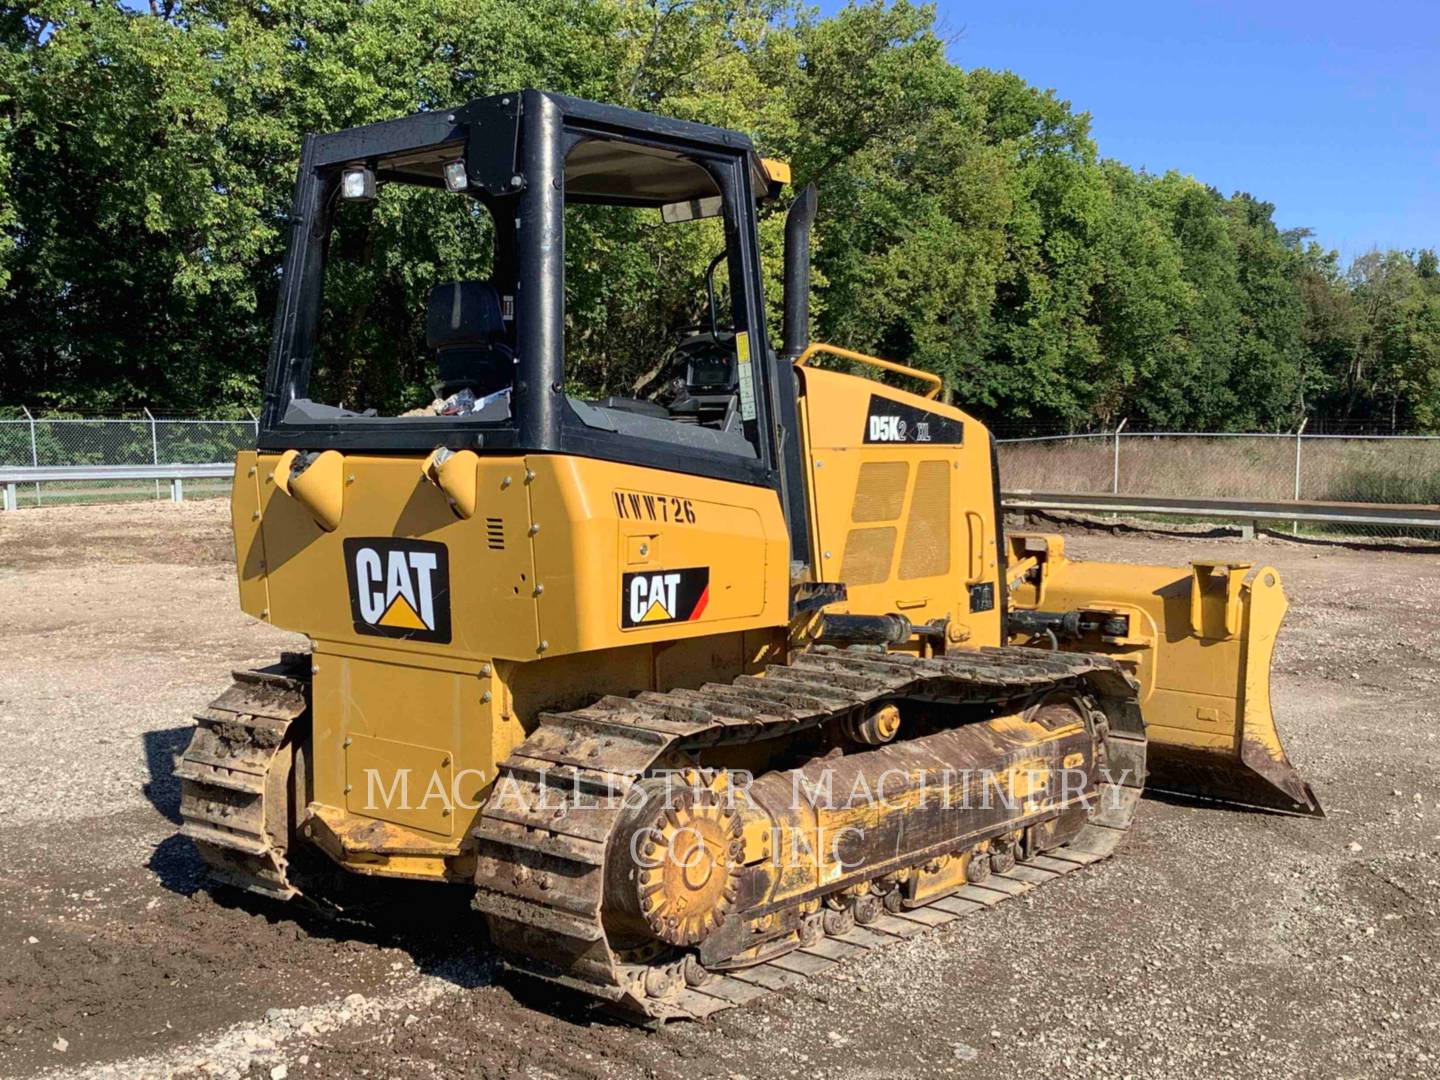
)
(702, 691)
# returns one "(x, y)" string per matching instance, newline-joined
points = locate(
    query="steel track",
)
(235, 799)
(541, 874)
(541, 868)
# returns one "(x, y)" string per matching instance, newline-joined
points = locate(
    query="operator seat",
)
(464, 325)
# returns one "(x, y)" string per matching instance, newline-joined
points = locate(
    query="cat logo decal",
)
(399, 588)
(648, 598)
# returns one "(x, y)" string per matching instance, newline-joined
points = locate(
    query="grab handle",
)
(874, 361)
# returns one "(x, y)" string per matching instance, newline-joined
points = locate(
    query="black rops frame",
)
(515, 146)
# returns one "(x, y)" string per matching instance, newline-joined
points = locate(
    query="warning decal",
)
(747, 376)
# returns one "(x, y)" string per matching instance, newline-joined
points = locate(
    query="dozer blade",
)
(1200, 640)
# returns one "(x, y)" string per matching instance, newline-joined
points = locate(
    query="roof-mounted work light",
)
(357, 184)
(456, 179)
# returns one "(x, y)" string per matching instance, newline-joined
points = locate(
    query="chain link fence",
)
(1363, 468)
(145, 440)
(1329, 467)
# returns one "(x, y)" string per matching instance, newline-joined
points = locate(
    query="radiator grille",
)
(868, 554)
(927, 532)
(880, 491)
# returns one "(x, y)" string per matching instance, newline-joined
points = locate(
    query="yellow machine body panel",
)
(564, 554)
(571, 578)
(907, 525)
(413, 743)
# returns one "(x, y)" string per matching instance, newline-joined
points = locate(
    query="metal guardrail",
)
(1391, 514)
(1338, 513)
(13, 475)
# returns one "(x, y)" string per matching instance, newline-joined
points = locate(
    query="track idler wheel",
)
(887, 890)
(979, 866)
(696, 973)
(664, 981)
(877, 727)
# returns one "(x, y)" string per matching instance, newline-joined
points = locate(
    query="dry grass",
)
(1358, 470)
(1375, 470)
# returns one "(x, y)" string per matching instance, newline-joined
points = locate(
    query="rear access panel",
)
(408, 741)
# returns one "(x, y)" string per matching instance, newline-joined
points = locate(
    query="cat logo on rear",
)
(648, 598)
(399, 588)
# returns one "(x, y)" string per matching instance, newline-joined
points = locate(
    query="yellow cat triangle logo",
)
(401, 615)
(657, 613)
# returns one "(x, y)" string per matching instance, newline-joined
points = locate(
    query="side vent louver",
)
(880, 491)
(868, 554)
(495, 533)
(926, 552)
(877, 530)
(879, 496)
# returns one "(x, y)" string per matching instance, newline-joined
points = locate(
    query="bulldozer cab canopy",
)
(617, 170)
(526, 163)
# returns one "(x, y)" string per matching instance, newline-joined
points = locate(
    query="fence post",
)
(154, 446)
(256, 421)
(1299, 433)
(11, 502)
(1115, 478)
(34, 453)
(177, 490)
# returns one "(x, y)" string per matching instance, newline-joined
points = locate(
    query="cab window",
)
(655, 322)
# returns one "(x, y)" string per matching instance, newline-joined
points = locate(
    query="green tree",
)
(1141, 302)
(1043, 353)
(967, 223)
(912, 209)
(1266, 378)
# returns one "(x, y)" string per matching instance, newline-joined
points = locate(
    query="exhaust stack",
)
(797, 272)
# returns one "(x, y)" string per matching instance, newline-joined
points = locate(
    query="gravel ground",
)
(1216, 943)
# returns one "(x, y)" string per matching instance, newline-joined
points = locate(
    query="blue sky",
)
(1330, 111)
